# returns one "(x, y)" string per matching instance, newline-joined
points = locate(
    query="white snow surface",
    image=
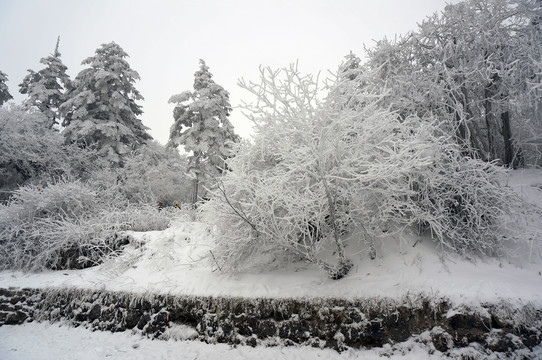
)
(46, 341)
(177, 261)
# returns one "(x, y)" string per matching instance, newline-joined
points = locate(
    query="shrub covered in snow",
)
(463, 205)
(31, 152)
(150, 175)
(324, 170)
(68, 224)
(55, 221)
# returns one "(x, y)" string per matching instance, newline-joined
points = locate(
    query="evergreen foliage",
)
(4, 91)
(46, 89)
(202, 126)
(101, 110)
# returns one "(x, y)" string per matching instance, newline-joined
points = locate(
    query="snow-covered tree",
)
(4, 91)
(46, 88)
(478, 65)
(202, 127)
(319, 175)
(101, 110)
(297, 187)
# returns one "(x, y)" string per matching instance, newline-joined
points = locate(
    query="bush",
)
(461, 202)
(319, 169)
(150, 175)
(68, 225)
(30, 152)
(49, 220)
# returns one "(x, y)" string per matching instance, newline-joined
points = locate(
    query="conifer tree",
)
(46, 88)
(101, 111)
(202, 126)
(4, 92)
(349, 77)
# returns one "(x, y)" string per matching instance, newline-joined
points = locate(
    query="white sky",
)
(166, 38)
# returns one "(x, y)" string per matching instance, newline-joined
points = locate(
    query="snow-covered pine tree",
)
(4, 92)
(349, 82)
(46, 88)
(101, 110)
(202, 126)
(351, 67)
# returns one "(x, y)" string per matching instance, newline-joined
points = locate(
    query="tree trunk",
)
(463, 121)
(489, 120)
(507, 137)
(344, 265)
(195, 193)
(196, 181)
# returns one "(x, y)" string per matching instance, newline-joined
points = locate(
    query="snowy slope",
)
(177, 261)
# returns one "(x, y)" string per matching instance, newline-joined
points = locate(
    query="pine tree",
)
(349, 76)
(46, 88)
(101, 111)
(202, 126)
(4, 92)
(351, 67)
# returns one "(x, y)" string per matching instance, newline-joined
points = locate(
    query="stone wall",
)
(333, 323)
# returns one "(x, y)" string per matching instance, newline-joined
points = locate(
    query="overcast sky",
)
(166, 38)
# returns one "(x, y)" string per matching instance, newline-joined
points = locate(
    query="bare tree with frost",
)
(31, 152)
(478, 65)
(321, 173)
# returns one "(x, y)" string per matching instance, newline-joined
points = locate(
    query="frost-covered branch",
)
(319, 170)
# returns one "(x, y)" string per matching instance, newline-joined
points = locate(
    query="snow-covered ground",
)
(177, 261)
(45, 341)
(169, 263)
(29, 342)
